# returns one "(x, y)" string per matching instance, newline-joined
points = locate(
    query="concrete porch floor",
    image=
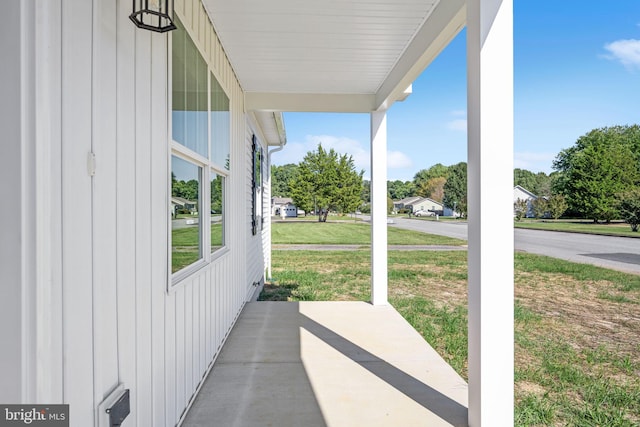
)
(328, 364)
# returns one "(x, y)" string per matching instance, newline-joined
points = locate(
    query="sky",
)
(576, 68)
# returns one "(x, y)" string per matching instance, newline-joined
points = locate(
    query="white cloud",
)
(398, 160)
(295, 151)
(457, 125)
(342, 145)
(534, 162)
(627, 52)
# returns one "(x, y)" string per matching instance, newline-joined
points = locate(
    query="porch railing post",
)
(379, 207)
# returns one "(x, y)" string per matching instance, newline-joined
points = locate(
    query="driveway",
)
(617, 253)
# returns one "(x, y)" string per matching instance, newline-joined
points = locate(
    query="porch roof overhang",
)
(272, 125)
(335, 56)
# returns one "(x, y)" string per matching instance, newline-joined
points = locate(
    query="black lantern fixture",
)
(153, 15)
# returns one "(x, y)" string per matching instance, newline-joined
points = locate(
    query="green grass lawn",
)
(576, 226)
(186, 247)
(577, 327)
(335, 233)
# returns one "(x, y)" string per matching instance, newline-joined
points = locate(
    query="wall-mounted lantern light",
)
(153, 15)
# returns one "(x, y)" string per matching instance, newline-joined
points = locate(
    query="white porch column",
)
(379, 207)
(490, 207)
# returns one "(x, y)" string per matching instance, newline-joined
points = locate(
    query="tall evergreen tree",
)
(327, 181)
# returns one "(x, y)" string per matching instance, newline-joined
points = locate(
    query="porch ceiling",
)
(335, 55)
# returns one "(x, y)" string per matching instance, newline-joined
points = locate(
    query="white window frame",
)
(207, 166)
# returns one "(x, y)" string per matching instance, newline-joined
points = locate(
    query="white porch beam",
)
(309, 102)
(379, 208)
(490, 207)
(444, 23)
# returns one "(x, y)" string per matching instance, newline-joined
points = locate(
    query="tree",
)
(544, 184)
(432, 188)
(398, 190)
(540, 208)
(348, 191)
(280, 177)
(186, 189)
(216, 194)
(301, 191)
(436, 171)
(455, 189)
(365, 195)
(520, 208)
(538, 183)
(327, 181)
(524, 178)
(629, 205)
(600, 165)
(556, 206)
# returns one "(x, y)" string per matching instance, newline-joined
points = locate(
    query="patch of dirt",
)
(525, 387)
(583, 318)
(432, 286)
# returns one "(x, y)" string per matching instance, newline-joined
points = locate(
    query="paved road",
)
(618, 253)
(456, 229)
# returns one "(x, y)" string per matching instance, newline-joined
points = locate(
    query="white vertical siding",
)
(11, 171)
(141, 215)
(255, 251)
(122, 324)
(104, 207)
(48, 198)
(159, 244)
(126, 262)
(77, 244)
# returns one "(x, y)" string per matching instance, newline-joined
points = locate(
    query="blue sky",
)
(576, 68)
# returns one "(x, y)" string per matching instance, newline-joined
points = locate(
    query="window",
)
(200, 162)
(186, 184)
(189, 100)
(217, 211)
(256, 208)
(220, 122)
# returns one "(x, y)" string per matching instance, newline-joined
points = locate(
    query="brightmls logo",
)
(34, 415)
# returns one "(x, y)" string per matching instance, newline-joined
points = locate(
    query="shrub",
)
(629, 207)
(557, 205)
(520, 209)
